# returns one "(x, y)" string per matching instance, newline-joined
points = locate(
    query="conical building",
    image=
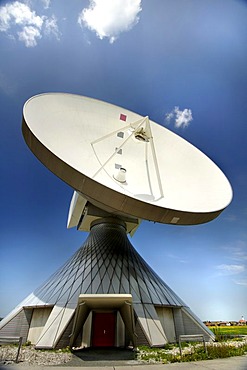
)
(105, 295)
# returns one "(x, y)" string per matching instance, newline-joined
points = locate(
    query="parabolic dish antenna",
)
(123, 163)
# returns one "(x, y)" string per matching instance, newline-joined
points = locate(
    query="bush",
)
(170, 353)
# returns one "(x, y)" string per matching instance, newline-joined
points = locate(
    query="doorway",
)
(103, 329)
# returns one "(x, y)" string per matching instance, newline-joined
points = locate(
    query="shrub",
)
(170, 353)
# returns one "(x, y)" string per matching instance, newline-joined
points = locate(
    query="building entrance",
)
(103, 329)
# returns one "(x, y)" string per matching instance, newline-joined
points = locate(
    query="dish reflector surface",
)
(122, 162)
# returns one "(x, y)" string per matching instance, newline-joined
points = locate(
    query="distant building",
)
(221, 323)
(242, 321)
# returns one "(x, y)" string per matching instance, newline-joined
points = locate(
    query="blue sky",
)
(156, 58)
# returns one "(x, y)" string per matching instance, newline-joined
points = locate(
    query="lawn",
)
(229, 330)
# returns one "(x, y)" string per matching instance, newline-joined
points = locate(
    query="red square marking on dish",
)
(123, 117)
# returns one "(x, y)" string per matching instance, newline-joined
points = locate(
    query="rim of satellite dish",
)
(123, 162)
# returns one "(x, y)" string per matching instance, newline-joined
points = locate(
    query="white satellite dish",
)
(123, 163)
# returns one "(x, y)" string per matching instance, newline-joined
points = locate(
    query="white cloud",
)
(169, 116)
(18, 19)
(230, 269)
(177, 258)
(237, 251)
(109, 18)
(29, 36)
(46, 3)
(51, 27)
(241, 282)
(181, 118)
(18, 14)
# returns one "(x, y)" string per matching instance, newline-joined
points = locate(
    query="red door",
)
(103, 334)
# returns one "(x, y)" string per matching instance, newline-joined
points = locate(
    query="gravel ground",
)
(31, 356)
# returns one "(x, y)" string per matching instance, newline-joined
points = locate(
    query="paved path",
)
(232, 363)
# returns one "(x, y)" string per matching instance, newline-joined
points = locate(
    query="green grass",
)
(229, 330)
(193, 353)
